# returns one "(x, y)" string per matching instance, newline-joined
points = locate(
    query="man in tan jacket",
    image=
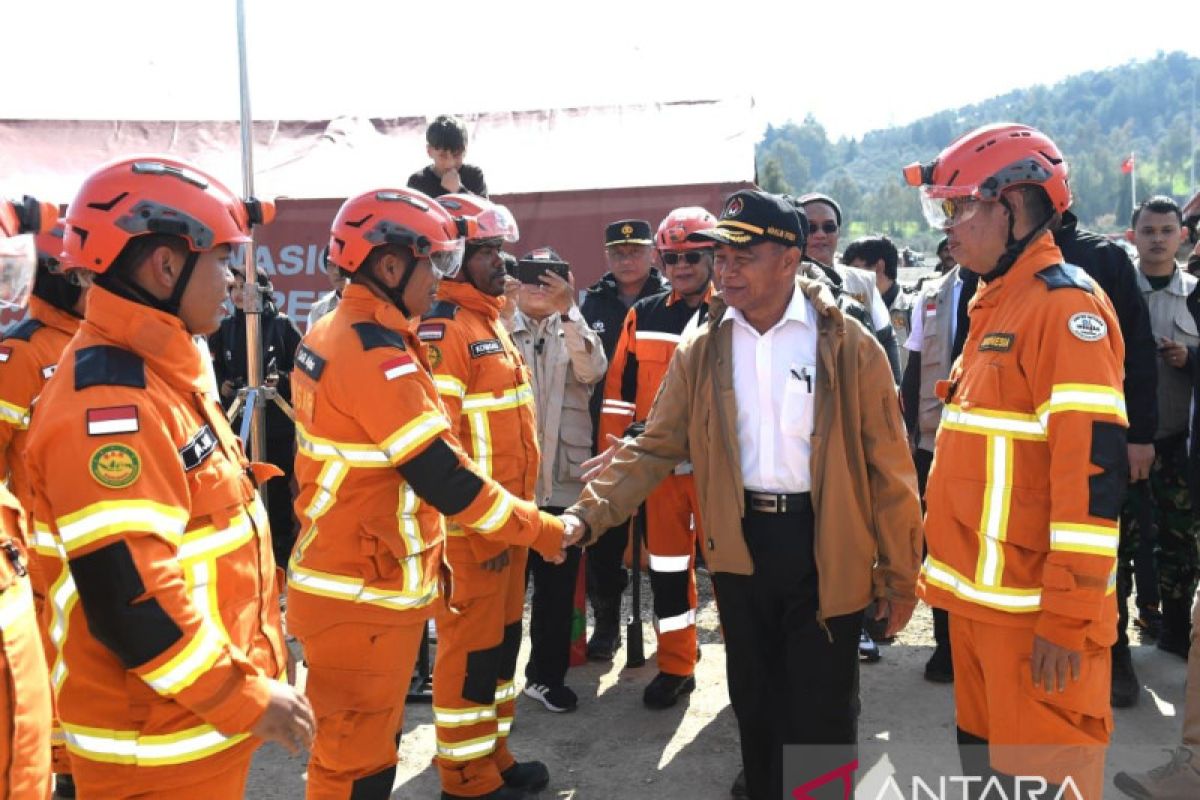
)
(807, 491)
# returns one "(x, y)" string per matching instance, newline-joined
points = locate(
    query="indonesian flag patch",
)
(5, 352)
(114, 419)
(397, 367)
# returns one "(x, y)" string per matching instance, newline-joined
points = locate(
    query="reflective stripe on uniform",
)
(63, 598)
(677, 623)
(450, 386)
(1100, 540)
(670, 563)
(414, 436)
(44, 543)
(989, 423)
(1019, 601)
(505, 691)
(209, 543)
(15, 602)
(340, 587)
(460, 717)
(481, 442)
(657, 336)
(619, 408)
(468, 750)
(489, 402)
(357, 455)
(132, 747)
(14, 415)
(495, 517)
(410, 532)
(114, 517)
(503, 726)
(1085, 397)
(189, 664)
(997, 501)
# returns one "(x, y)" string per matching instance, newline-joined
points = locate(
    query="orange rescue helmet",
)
(399, 217)
(981, 164)
(154, 194)
(19, 223)
(480, 219)
(675, 228)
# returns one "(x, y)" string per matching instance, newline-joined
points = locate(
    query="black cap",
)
(817, 197)
(751, 217)
(628, 231)
(543, 255)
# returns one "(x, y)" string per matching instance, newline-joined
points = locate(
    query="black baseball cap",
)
(628, 231)
(543, 255)
(751, 217)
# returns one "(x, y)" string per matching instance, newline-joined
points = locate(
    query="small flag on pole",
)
(1127, 165)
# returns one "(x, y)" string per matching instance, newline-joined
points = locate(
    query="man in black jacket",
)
(1109, 264)
(629, 250)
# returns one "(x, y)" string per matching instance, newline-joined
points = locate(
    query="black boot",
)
(64, 786)
(528, 776)
(503, 793)
(1176, 635)
(665, 689)
(606, 636)
(1125, 684)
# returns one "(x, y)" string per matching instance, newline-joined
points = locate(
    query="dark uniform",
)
(427, 181)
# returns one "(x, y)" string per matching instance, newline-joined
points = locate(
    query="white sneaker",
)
(559, 699)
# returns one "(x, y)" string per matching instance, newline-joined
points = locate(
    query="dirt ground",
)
(613, 747)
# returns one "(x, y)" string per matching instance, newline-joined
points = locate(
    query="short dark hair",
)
(447, 133)
(1037, 202)
(944, 244)
(377, 253)
(873, 248)
(138, 249)
(1159, 204)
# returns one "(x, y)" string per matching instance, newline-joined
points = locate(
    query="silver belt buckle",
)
(766, 503)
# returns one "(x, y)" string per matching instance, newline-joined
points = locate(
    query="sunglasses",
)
(692, 257)
(828, 226)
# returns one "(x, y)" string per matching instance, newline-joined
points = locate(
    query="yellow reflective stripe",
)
(132, 747)
(44, 543)
(16, 602)
(15, 415)
(495, 517)
(209, 543)
(1086, 397)
(63, 598)
(469, 750)
(481, 442)
(997, 499)
(505, 691)
(460, 717)
(410, 532)
(189, 664)
(450, 386)
(355, 454)
(414, 435)
(489, 402)
(990, 423)
(341, 587)
(113, 517)
(503, 726)
(1019, 601)
(1100, 540)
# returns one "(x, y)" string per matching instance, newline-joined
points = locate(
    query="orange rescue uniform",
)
(378, 467)
(29, 354)
(486, 388)
(1026, 485)
(652, 330)
(166, 624)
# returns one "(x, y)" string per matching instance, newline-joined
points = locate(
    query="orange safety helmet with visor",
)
(19, 224)
(675, 228)
(480, 220)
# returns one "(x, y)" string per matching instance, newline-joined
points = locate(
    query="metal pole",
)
(1132, 181)
(253, 298)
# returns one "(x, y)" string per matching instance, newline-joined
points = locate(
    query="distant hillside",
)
(1097, 118)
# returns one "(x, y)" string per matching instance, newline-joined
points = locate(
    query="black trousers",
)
(280, 510)
(607, 576)
(923, 460)
(791, 680)
(551, 615)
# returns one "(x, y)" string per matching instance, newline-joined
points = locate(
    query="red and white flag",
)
(1127, 165)
(5, 352)
(114, 419)
(398, 366)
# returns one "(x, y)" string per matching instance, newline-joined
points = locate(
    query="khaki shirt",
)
(1170, 319)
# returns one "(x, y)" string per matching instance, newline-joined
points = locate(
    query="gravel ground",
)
(613, 747)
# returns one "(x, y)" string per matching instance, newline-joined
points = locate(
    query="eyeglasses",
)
(692, 257)
(828, 226)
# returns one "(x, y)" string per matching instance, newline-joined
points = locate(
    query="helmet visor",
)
(496, 222)
(944, 213)
(447, 262)
(18, 267)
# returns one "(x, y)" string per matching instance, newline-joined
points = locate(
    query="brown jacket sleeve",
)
(895, 506)
(639, 465)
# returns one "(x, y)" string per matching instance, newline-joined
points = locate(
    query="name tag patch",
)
(198, 448)
(486, 347)
(309, 363)
(997, 342)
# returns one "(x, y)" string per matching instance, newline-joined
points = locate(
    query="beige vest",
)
(1170, 318)
(936, 305)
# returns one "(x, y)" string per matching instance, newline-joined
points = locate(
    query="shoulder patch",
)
(1088, 327)
(398, 367)
(486, 347)
(115, 466)
(113, 419)
(198, 448)
(373, 335)
(5, 353)
(431, 331)
(997, 342)
(309, 362)
(104, 365)
(1065, 276)
(24, 330)
(441, 309)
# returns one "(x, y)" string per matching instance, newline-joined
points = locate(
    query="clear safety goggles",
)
(944, 213)
(447, 262)
(18, 268)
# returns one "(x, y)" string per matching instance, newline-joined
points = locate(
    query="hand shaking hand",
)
(597, 464)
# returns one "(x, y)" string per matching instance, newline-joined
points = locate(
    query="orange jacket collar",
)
(52, 316)
(158, 337)
(467, 296)
(361, 299)
(1041, 253)
(676, 297)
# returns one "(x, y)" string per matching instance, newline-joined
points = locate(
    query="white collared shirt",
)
(774, 375)
(917, 332)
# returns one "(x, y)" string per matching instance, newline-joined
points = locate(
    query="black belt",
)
(767, 503)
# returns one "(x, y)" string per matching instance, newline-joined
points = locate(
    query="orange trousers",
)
(24, 698)
(474, 695)
(672, 527)
(1027, 731)
(220, 775)
(358, 679)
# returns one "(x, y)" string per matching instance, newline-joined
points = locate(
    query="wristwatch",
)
(573, 315)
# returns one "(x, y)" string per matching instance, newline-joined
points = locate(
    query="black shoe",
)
(1176, 634)
(940, 666)
(606, 636)
(559, 699)
(528, 776)
(64, 786)
(664, 690)
(503, 793)
(739, 791)
(1125, 684)
(1149, 622)
(868, 651)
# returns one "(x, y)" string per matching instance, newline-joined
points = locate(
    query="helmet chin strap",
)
(1014, 246)
(396, 296)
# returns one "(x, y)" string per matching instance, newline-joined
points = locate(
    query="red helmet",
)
(981, 164)
(481, 218)
(673, 231)
(150, 194)
(19, 222)
(50, 247)
(395, 216)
